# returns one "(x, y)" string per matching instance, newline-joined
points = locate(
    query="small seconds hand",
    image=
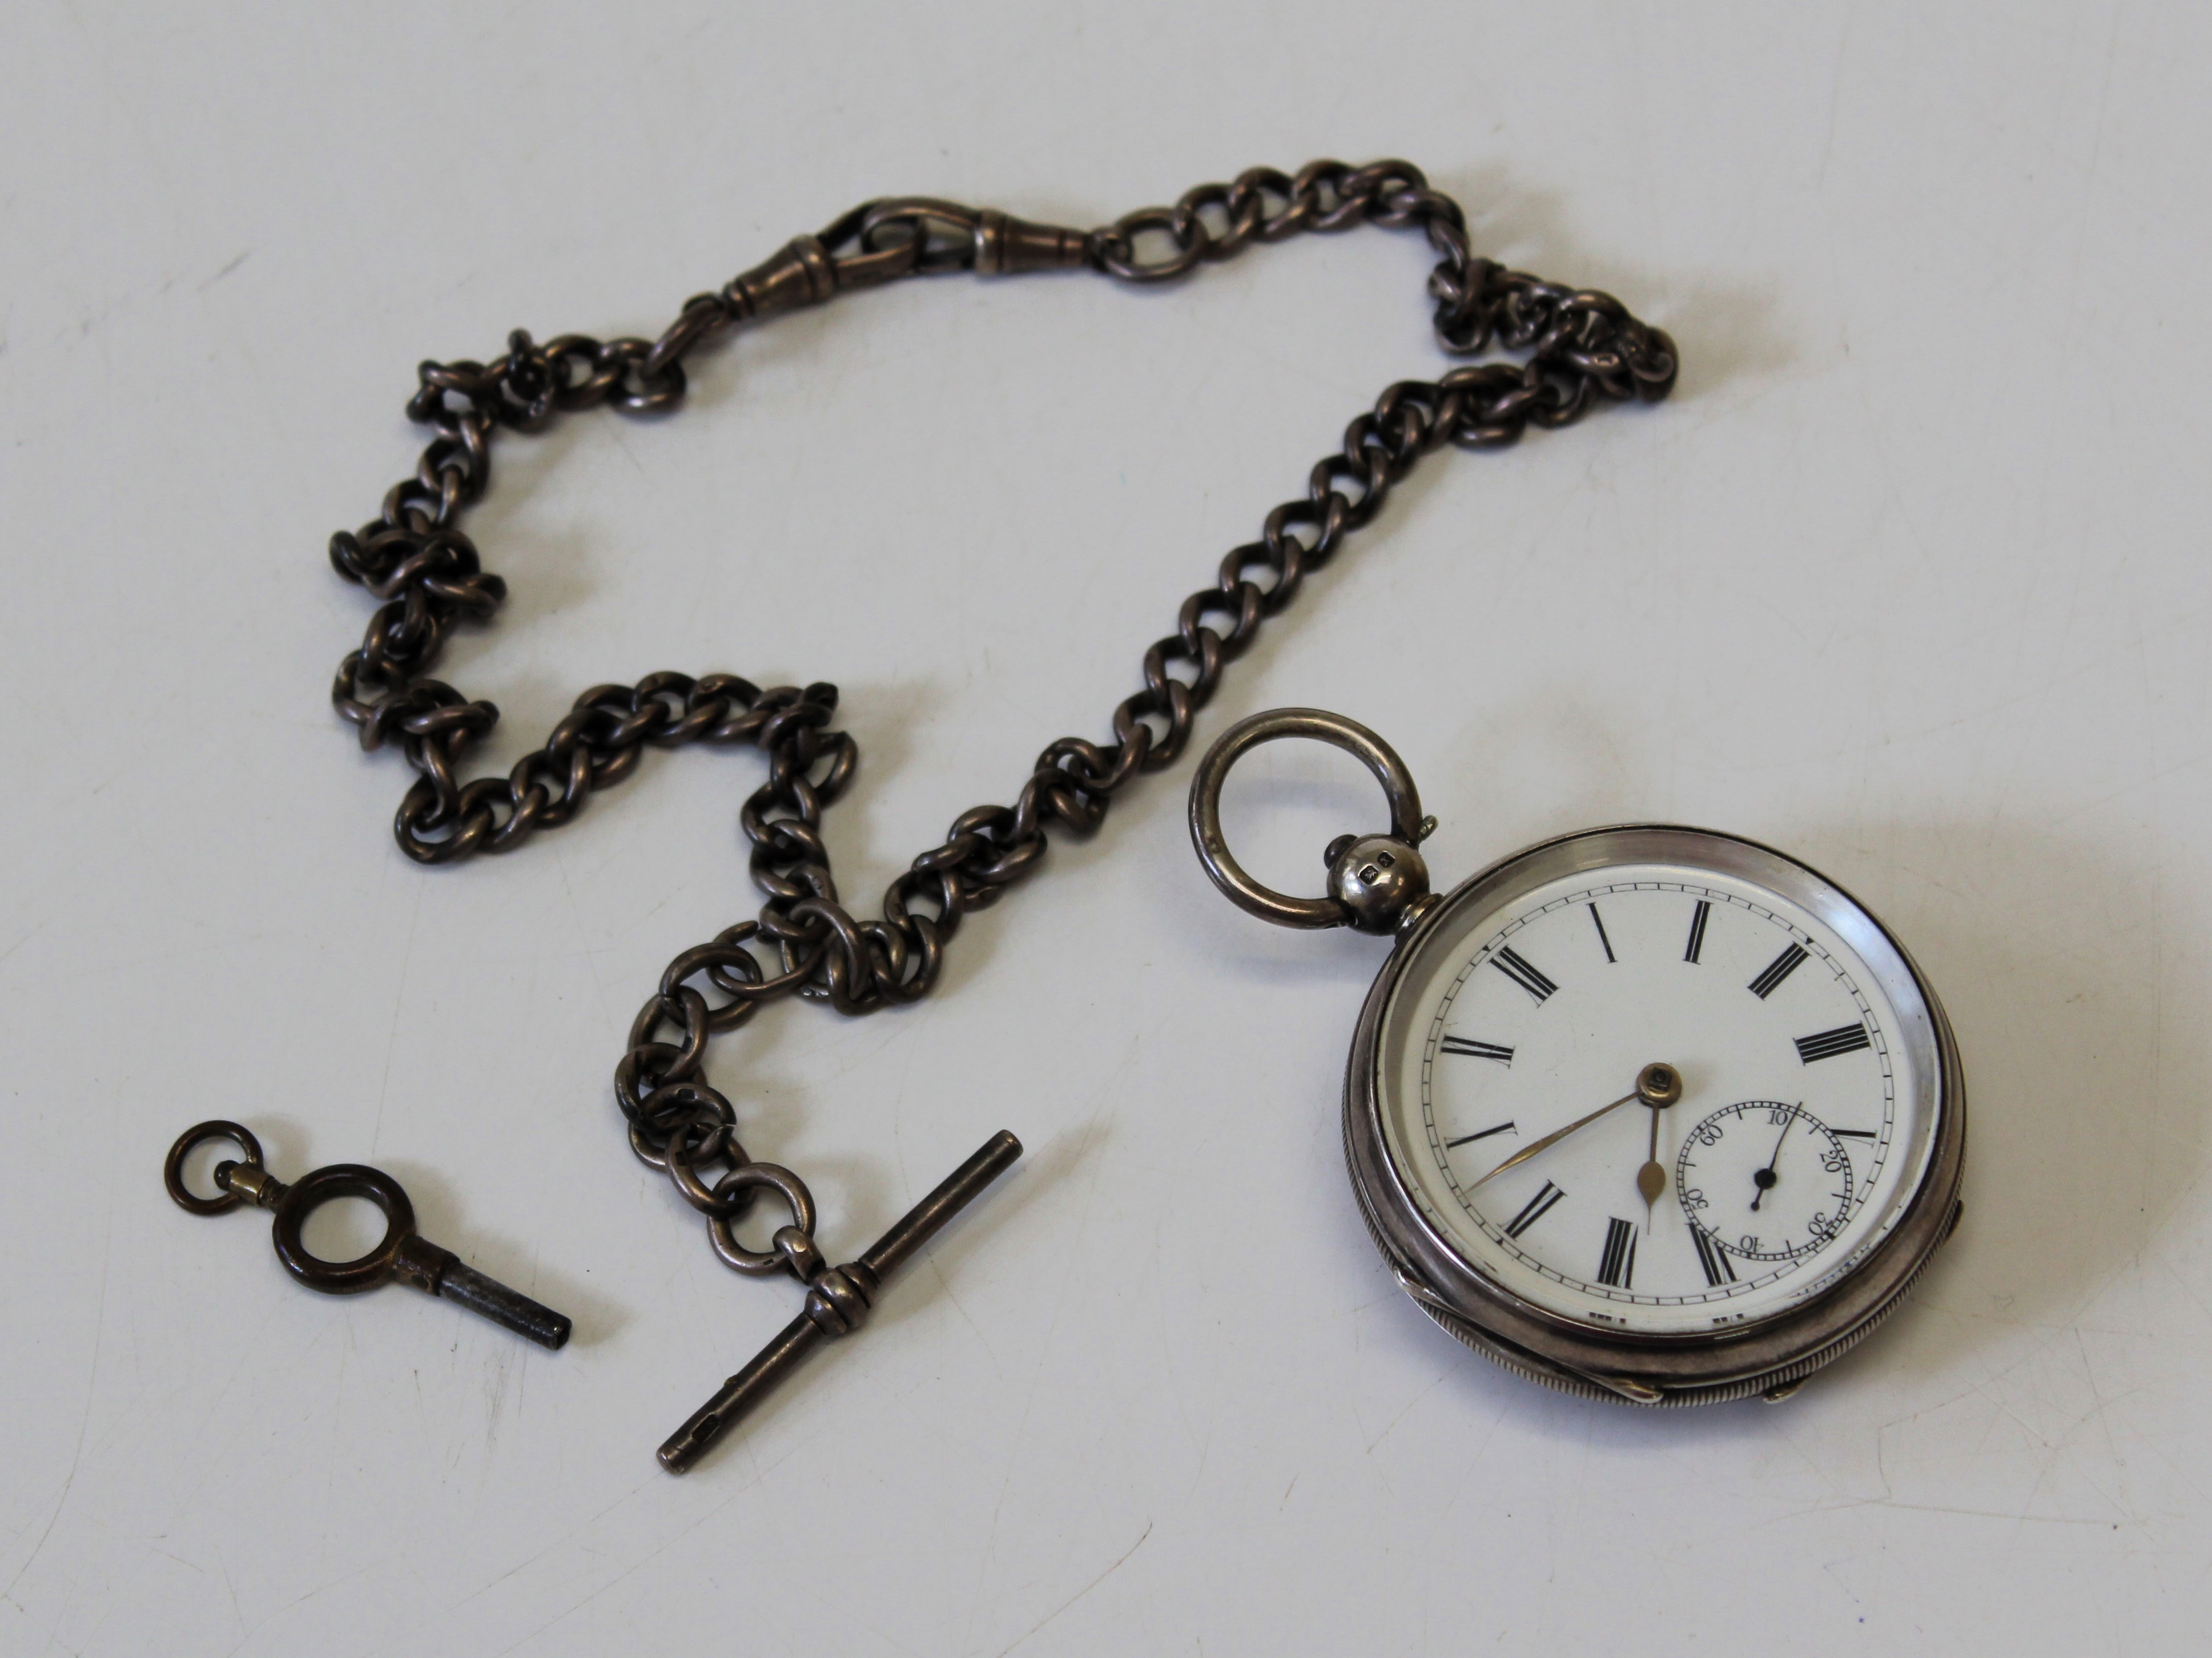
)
(1763, 1179)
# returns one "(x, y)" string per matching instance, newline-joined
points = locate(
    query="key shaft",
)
(430, 1267)
(510, 1309)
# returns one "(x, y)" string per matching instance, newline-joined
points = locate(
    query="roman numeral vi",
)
(1617, 1265)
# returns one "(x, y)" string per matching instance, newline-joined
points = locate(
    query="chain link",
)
(1577, 348)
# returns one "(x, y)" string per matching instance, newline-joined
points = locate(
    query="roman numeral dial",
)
(1691, 1210)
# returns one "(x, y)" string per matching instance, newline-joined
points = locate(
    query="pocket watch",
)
(1643, 1113)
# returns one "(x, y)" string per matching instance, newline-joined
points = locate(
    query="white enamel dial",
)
(1800, 1135)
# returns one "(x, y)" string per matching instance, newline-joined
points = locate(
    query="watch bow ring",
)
(1375, 881)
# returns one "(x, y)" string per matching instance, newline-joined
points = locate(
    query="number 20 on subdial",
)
(1729, 1180)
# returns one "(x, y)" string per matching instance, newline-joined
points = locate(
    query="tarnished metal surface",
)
(1576, 349)
(1370, 896)
(837, 1297)
(403, 1254)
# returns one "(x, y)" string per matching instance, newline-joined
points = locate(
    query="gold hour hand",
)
(1655, 1085)
(1651, 1179)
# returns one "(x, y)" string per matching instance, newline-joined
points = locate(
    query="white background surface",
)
(1909, 577)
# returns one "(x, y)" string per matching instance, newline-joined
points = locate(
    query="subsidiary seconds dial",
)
(1763, 1181)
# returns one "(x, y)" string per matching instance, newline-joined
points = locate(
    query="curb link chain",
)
(1578, 346)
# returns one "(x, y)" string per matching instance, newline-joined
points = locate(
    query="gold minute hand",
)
(1554, 1138)
(1655, 1084)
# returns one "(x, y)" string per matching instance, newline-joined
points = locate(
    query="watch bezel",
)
(1555, 1348)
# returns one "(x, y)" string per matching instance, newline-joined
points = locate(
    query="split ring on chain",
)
(173, 1167)
(765, 1263)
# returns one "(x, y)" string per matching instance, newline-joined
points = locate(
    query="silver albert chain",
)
(1574, 351)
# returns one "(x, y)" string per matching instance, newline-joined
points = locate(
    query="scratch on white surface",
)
(61, 1499)
(494, 1386)
(622, 442)
(1080, 1592)
(150, 958)
(2010, 1516)
(2103, 1410)
(945, 1284)
(1070, 1256)
(1835, 99)
(2127, 788)
(643, 1560)
(1813, 1464)
(2096, 156)
(225, 271)
(84, 1421)
(1434, 1383)
(399, 1003)
(301, 1600)
(36, 928)
(2182, 1283)
(237, 1612)
(532, 1559)
(246, 1352)
(171, 1554)
(2049, 1449)
(584, 937)
(336, 1418)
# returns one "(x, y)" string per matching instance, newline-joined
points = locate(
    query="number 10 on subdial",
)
(1765, 1180)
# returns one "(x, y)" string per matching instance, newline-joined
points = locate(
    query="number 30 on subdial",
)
(1764, 1179)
